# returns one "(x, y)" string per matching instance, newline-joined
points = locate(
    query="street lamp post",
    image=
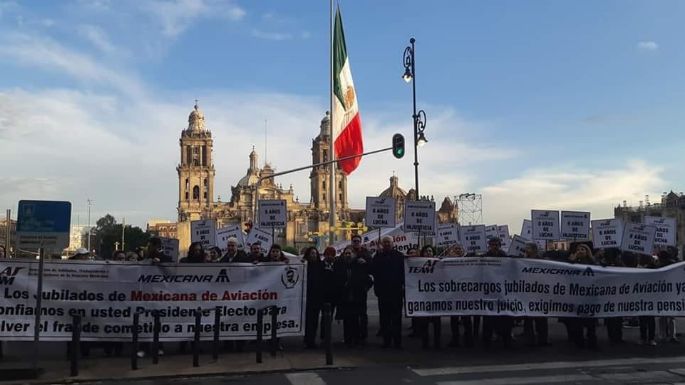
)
(419, 117)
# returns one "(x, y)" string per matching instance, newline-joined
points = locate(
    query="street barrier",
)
(156, 328)
(328, 325)
(215, 339)
(75, 348)
(260, 328)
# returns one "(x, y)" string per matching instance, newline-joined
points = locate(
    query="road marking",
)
(641, 377)
(522, 380)
(545, 365)
(305, 378)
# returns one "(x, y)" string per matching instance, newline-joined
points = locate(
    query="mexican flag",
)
(347, 124)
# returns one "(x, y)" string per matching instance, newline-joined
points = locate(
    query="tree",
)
(108, 233)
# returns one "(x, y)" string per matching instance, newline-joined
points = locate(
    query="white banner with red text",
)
(107, 295)
(539, 288)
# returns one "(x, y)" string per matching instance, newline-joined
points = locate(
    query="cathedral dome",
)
(196, 119)
(394, 191)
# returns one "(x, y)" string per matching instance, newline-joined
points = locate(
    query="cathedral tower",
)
(319, 177)
(196, 170)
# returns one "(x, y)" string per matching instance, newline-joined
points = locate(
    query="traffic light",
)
(398, 146)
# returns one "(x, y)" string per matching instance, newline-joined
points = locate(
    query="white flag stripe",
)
(305, 378)
(523, 380)
(546, 365)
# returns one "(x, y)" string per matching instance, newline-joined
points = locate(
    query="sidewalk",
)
(295, 358)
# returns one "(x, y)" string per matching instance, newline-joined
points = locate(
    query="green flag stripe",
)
(339, 56)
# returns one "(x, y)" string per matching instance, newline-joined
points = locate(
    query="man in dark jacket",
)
(500, 324)
(387, 268)
(155, 252)
(233, 255)
(361, 252)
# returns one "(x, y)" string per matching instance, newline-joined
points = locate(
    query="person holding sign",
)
(387, 269)
(536, 329)
(424, 323)
(255, 255)
(275, 255)
(363, 253)
(155, 251)
(196, 254)
(457, 251)
(502, 325)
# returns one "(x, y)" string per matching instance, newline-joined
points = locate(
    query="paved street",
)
(613, 371)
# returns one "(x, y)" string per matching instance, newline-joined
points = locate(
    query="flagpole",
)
(331, 183)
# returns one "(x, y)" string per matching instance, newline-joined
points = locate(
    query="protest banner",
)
(503, 234)
(638, 238)
(539, 288)
(401, 241)
(419, 217)
(170, 248)
(447, 235)
(575, 225)
(545, 225)
(607, 233)
(107, 294)
(380, 212)
(262, 236)
(517, 247)
(204, 232)
(527, 229)
(665, 230)
(473, 238)
(224, 233)
(273, 213)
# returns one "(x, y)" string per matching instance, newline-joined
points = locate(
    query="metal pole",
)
(260, 330)
(134, 341)
(196, 339)
(8, 232)
(331, 121)
(156, 327)
(217, 329)
(274, 331)
(415, 117)
(328, 322)
(89, 232)
(123, 236)
(39, 299)
(75, 345)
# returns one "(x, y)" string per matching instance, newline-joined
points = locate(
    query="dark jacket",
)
(239, 257)
(332, 283)
(387, 268)
(499, 254)
(193, 259)
(163, 258)
(316, 282)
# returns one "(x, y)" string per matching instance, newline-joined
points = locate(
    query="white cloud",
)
(598, 191)
(50, 55)
(278, 36)
(176, 16)
(98, 37)
(648, 46)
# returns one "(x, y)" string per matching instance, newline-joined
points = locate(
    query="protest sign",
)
(419, 217)
(517, 247)
(665, 230)
(380, 212)
(262, 236)
(607, 233)
(527, 229)
(503, 234)
(523, 287)
(638, 238)
(273, 213)
(473, 238)
(545, 225)
(447, 235)
(224, 233)
(107, 294)
(575, 225)
(204, 232)
(401, 241)
(491, 232)
(170, 248)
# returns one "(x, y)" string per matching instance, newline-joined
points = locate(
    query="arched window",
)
(196, 193)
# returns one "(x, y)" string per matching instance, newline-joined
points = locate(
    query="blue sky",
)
(534, 104)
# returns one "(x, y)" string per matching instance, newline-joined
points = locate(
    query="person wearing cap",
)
(81, 254)
(233, 255)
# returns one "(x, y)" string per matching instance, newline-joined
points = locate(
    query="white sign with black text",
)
(473, 238)
(665, 230)
(262, 236)
(273, 213)
(448, 235)
(638, 238)
(517, 247)
(419, 217)
(224, 233)
(575, 225)
(380, 212)
(204, 232)
(607, 233)
(545, 225)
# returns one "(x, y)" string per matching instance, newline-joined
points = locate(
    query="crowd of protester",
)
(344, 281)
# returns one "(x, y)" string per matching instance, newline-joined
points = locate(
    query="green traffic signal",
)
(398, 146)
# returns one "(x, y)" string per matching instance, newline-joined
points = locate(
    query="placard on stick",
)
(473, 238)
(204, 232)
(545, 224)
(638, 238)
(419, 217)
(665, 230)
(447, 235)
(575, 225)
(273, 213)
(380, 212)
(607, 233)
